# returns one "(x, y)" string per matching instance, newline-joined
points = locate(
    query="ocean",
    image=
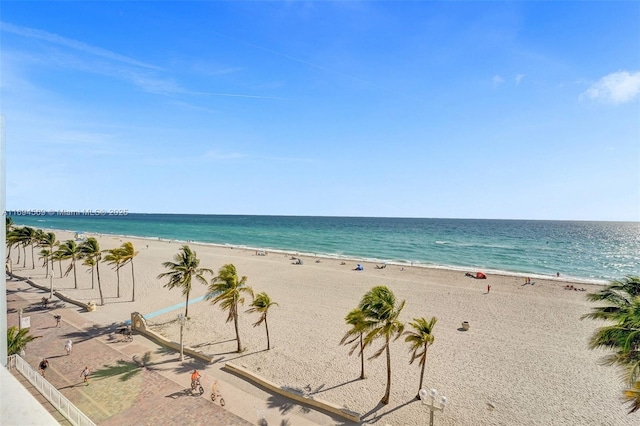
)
(583, 251)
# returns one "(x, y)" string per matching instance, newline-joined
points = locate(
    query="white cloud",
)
(497, 79)
(618, 87)
(519, 78)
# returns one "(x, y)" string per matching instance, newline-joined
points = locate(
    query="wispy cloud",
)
(147, 77)
(616, 88)
(519, 78)
(73, 44)
(497, 80)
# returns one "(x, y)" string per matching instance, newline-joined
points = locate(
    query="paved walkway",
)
(140, 382)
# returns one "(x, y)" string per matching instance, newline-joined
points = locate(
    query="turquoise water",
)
(589, 251)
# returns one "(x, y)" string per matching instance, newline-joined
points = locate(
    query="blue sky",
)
(520, 110)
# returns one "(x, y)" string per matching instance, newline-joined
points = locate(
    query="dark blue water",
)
(593, 251)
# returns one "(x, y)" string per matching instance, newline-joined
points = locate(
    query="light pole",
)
(430, 399)
(51, 275)
(182, 320)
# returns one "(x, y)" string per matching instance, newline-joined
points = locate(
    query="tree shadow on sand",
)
(377, 417)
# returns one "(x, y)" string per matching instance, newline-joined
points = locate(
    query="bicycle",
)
(215, 395)
(126, 334)
(196, 387)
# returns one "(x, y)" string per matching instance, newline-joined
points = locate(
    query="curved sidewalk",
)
(141, 382)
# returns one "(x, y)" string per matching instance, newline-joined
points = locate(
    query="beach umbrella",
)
(481, 275)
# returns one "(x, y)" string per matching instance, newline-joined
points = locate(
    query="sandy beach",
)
(524, 360)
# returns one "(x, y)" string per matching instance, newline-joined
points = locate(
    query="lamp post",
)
(431, 400)
(51, 275)
(182, 320)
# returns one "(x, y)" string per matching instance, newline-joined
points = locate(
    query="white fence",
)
(62, 404)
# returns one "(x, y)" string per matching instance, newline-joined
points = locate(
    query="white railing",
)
(59, 401)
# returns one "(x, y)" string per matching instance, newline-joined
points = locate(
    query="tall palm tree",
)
(57, 255)
(420, 338)
(128, 253)
(114, 257)
(69, 250)
(261, 304)
(379, 306)
(17, 339)
(48, 241)
(9, 224)
(14, 238)
(182, 271)
(623, 336)
(227, 289)
(359, 325)
(91, 251)
(29, 237)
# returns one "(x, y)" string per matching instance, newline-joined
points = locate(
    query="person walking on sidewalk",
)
(68, 346)
(43, 366)
(85, 375)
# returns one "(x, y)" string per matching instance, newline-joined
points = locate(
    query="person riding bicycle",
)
(195, 377)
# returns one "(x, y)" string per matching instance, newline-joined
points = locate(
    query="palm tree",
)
(623, 337)
(48, 241)
(70, 250)
(379, 306)
(57, 255)
(28, 237)
(17, 340)
(9, 223)
(91, 251)
(128, 253)
(632, 396)
(227, 289)
(420, 338)
(182, 271)
(261, 304)
(359, 324)
(91, 263)
(14, 238)
(114, 257)
(45, 255)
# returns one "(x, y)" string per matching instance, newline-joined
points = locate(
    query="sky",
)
(497, 110)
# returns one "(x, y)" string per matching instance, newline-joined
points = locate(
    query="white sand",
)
(525, 354)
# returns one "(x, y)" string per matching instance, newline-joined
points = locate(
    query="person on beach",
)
(57, 318)
(195, 376)
(68, 346)
(85, 375)
(488, 288)
(44, 364)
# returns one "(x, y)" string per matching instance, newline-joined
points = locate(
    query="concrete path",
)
(140, 382)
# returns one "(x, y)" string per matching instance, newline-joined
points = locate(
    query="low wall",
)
(139, 324)
(317, 403)
(89, 307)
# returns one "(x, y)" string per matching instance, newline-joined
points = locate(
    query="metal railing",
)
(59, 401)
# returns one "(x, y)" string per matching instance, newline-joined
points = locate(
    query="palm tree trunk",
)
(133, 280)
(75, 279)
(118, 275)
(92, 270)
(99, 285)
(60, 265)
(424, 362)
(266, 326)
(235, 324)
(33, 263)
(385, 398)
(361, 357)
(186, 307)
(24, 255)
